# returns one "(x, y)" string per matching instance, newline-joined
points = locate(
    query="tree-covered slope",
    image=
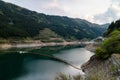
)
(111, 44)
(17, 22)
(112, 27)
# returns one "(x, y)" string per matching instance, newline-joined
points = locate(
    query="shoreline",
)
(98, 69)
(36, 44)
(102, 69)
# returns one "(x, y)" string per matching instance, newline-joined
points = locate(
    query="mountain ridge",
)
(18, 22)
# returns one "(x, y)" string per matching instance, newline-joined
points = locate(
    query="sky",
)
(95, 11)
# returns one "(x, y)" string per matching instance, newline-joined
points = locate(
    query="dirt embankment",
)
(36, 44)
(102, 69)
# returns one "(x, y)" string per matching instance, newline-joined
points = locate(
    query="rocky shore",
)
(98, 69)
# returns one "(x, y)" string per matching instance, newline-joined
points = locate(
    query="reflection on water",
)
(29, 67)
(10, 66)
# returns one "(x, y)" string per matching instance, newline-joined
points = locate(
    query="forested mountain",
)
(18, 22)
(112, 27)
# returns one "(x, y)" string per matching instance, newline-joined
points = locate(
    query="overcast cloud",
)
(97, 11)
(112, 13)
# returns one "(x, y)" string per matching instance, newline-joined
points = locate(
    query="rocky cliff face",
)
(97, 69)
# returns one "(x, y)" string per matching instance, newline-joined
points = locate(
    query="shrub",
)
(117, 50)
(63, 76)
(101, 53)
(109, 46)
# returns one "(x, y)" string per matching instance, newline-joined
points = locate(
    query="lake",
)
(16, 66)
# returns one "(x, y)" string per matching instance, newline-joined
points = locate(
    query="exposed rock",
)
(101, 69)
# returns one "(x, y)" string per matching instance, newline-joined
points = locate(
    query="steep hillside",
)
(113, 26)
(18, 22)
(111, 44)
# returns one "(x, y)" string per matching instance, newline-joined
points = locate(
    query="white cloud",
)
(54, 8)
(98, 11)
(112, 13)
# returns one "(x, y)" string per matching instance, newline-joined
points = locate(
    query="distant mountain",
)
(18, 22)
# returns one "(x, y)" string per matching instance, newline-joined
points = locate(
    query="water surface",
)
(29, 67)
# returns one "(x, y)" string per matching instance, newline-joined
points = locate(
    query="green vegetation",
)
(47, 33)
(3, 40)
(17, 23)
(101, 53)
(112, 42)
(16, 40)
(109, 46)
(62, 76)
(93, 77)
(99, 76)
(113, 26)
